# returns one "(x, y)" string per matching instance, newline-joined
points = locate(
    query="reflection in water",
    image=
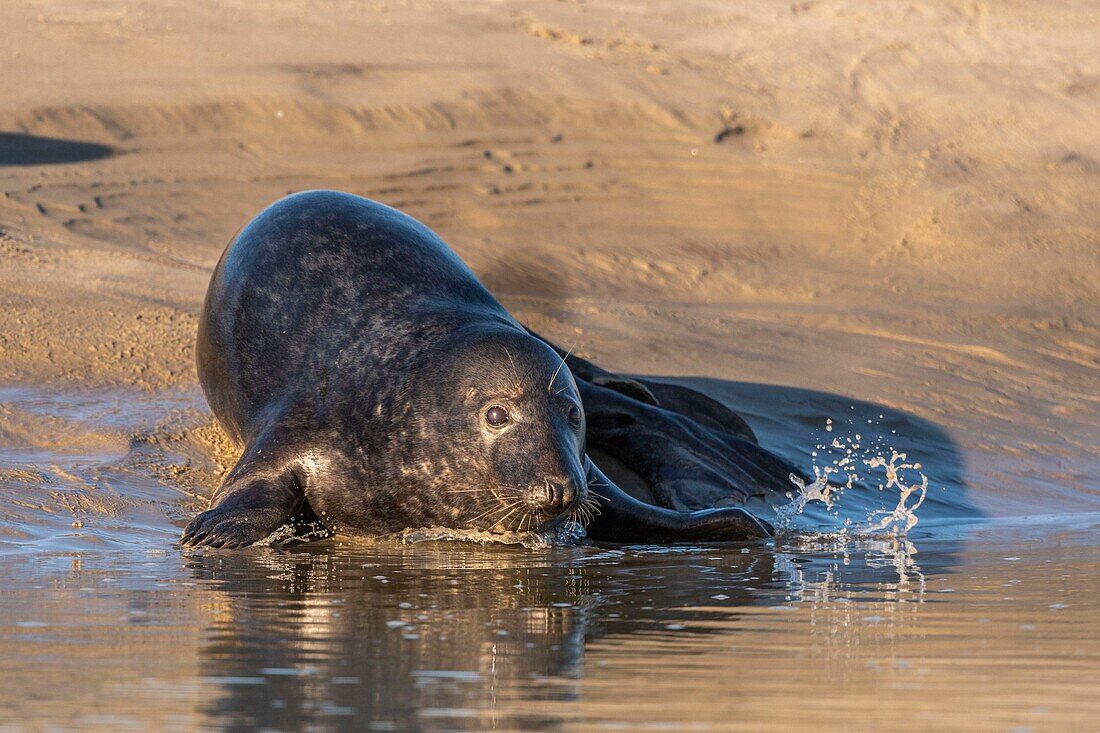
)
(457, 636)
(439, 635)
(388, 634)
(434, 634)
(831, 580)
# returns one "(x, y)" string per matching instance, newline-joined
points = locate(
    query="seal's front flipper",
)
(256, 499)
(623, 518)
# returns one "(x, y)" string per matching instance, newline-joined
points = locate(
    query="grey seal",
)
(375, 384)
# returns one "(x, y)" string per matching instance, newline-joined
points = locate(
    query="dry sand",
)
(895, 202)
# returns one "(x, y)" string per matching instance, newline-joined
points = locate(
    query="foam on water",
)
(568, 533)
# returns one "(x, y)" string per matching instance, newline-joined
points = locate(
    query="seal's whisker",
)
(578, 514)
(515, 372)
(529, 519)
(504, 519)
(589, 514)
(585, 511)
(592, 493)
(507, 511)
(526, 373)
(487, 512)
(555, 375)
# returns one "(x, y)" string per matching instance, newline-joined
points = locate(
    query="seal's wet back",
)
(372, 379)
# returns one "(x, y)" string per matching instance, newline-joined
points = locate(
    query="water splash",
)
(850, 460)
(817, 490)
(902, 517)
(295, 534)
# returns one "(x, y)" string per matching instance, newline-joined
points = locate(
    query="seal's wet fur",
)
(354, 356)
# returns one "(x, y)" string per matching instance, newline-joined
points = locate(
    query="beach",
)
(875, 222)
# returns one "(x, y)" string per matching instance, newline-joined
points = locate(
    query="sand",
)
(889, 203)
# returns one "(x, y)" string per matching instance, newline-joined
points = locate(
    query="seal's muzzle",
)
(558, 496)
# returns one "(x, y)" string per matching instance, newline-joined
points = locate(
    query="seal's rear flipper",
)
(633, 388)
(690, 450)
(699, 407)
(672, 397)
(685, 463)
(622, 518)
(258, 496)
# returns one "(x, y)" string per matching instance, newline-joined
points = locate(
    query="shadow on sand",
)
(21, 149)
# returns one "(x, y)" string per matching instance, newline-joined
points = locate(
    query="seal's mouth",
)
(539, 509)
(558, 502)
(501, 508)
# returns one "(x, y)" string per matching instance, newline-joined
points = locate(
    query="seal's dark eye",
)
(496, 416)
(574, 416)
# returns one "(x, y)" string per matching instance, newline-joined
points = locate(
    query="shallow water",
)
(970, 621)
(991, 629)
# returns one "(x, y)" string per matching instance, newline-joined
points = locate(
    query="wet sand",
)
(883, 216)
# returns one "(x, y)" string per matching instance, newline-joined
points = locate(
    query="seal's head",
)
(514, 425)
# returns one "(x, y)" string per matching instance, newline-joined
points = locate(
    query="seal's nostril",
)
(558, 496)
(568, 494)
